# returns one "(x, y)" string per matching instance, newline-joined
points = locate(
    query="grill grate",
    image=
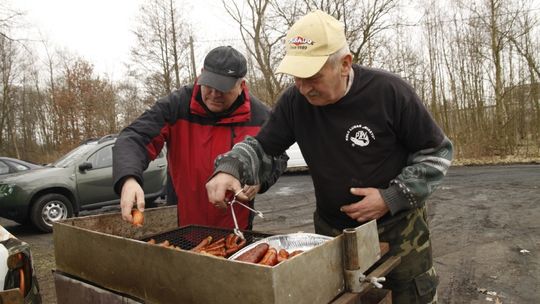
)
(187, 237)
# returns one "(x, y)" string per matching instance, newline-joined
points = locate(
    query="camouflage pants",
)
(414, 280)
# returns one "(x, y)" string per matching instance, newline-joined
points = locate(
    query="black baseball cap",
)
(223, 66)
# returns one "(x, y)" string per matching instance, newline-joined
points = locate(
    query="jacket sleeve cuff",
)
(394, 199)
(120, 183)
(229, 165)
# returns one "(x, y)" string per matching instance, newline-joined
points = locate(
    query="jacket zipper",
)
(233, 136)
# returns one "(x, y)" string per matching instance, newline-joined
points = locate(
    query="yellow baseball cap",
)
(309, 43)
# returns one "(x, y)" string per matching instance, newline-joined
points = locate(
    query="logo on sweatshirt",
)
(359, 135)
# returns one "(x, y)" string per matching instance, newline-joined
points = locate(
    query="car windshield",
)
(73, 155)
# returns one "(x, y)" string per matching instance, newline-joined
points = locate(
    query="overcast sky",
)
(100, 31)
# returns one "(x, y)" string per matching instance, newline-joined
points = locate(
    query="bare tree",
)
(8, 17)
(365, 22)
(9, 73)
(476, 65)
(130, 103)
(161, 55)
(500, 19)
(262, 37)
(263, 25)
(86, 104)
(525, 44)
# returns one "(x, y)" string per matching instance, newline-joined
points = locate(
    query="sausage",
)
(234, 241)
(165, 243)
(236, 247)
(255, 254)
(202, 244)
(215, 245)
(273, 259)
(242, 243)
(138, 218)
(229, 241)
(282, 255)
(295, 253)
(220, 252)
(231, 250)
(270, 258)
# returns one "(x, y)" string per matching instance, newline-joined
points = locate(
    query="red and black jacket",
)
(194, 138)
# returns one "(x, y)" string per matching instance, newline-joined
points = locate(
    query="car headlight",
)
(6, 190)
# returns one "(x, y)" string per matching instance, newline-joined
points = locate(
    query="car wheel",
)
(50, 208)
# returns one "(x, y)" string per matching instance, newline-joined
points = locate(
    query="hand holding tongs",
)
(235, 200)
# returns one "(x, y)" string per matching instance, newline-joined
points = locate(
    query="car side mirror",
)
(85, 166)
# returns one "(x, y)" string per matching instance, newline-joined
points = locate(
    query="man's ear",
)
(242, 86)
(346, 65)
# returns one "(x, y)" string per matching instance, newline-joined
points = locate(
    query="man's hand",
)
(219, 185)
(371, 207)
(131, 193)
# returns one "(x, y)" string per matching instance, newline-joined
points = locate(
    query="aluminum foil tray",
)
(289, 242)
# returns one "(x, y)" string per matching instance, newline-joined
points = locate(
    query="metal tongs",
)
(235, 201)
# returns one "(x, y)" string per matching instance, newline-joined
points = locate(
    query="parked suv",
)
(80, 180)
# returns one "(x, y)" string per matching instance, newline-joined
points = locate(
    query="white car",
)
(17, 276)
(296, 159)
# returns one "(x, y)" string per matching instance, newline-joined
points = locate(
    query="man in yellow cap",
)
(373, 150)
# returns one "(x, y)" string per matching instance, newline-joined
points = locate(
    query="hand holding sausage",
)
(131, 194)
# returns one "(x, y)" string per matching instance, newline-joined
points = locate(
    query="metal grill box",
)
(109, 253)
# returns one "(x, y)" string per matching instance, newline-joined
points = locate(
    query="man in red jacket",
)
(197, 123)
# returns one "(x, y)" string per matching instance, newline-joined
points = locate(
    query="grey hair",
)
(334, 58)
(239, 80)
